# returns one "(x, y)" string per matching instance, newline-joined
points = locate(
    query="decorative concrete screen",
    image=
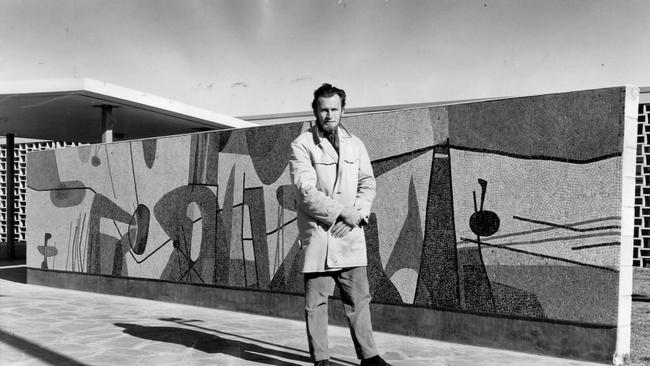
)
(642, 194)
(505, 223)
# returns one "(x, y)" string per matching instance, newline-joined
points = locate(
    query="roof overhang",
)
(69, 110)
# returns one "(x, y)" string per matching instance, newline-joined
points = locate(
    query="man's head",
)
(328, 107)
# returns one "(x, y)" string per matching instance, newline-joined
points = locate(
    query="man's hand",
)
(347, 220)
(351, 216)
(341, 229)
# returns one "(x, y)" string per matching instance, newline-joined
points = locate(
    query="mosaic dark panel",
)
(548, 126)
(438, 276)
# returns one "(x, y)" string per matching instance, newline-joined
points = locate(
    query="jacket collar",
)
(323, 142)
(319, 137)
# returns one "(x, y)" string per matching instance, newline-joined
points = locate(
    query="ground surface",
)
(49, 326)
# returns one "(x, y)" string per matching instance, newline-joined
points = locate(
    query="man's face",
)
(329, 112)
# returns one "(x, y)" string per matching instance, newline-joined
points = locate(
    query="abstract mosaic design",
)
(510, 207)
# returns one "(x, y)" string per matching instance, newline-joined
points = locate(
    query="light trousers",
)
(355, 294)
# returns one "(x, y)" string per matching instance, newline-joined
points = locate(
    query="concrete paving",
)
(49, 326)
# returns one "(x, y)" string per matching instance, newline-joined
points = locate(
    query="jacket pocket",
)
(351, 166)
(325, 174)
(322, 158)
(323, 162)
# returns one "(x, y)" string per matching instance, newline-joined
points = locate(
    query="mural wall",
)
(510, 207)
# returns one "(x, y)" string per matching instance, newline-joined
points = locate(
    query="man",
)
(331, 170)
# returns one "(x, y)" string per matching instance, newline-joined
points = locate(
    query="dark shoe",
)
(374, 361)
(322, 363)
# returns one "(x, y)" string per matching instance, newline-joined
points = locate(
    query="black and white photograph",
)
(325, 182)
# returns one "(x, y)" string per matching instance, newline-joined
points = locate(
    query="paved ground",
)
(49, 326)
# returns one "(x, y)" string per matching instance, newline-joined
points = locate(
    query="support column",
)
(107, 123)
(9, 178)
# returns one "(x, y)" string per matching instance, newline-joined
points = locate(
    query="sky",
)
(252, 57)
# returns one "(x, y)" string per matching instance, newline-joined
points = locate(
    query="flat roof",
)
(69, 110)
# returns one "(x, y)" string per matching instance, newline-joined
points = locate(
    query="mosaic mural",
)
(510, 207)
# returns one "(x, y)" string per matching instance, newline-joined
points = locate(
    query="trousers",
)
(355, 295)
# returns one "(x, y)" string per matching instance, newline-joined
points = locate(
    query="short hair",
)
(327, 90)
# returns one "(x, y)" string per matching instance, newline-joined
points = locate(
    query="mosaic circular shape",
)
(484, 223)
(139, 229)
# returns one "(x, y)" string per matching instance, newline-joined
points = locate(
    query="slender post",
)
(107, 123)
(9, 178)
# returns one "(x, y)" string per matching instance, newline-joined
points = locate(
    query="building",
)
(56, 113)
(45, 114)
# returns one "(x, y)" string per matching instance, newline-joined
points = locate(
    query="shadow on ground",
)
(211, 343)
(193, 323)
(37, 351)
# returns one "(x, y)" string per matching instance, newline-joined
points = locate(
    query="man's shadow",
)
(210, 343)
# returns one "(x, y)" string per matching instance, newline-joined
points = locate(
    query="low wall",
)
(505, 223)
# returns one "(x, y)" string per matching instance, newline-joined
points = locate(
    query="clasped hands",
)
(347, 220)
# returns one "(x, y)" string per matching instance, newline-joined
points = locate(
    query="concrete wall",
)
(501, 223)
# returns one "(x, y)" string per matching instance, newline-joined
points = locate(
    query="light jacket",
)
(326, 183)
